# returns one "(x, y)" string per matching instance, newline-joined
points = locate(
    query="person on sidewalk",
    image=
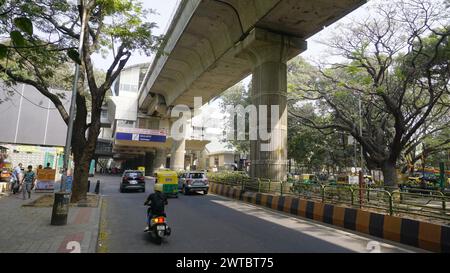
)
(15, 178)
(28, 181)
(48, 167)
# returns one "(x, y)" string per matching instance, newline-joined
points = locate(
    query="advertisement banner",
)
(45, 185)
(45, 179)
(46, 174)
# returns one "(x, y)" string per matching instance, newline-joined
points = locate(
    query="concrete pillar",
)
(270, 88)
(148, 163)
(160, 159)
(177, 155)
(202, 160)
(269, 53)
(178, 149)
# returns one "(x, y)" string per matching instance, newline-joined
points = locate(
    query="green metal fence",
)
(393, 201)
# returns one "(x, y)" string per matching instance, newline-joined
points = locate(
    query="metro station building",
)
(140, 139)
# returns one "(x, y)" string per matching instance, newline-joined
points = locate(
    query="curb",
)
(96, 233)
(102, 234)
(415, 233)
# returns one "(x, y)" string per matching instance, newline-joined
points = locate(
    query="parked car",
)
(132, 180)
(193, 181)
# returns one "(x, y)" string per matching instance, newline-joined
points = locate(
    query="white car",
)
(193, 181)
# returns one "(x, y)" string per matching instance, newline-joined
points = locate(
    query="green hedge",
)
(227, 177)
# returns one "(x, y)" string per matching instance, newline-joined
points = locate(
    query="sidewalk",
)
(28, 229)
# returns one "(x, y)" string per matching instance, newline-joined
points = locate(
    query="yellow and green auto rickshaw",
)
(169, 181)
(308, 178)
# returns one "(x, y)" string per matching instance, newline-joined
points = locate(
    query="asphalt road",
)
(211, 223)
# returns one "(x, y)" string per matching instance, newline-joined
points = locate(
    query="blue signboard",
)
(140, 137)
(124, 136)
(69, 181)
(152, 138)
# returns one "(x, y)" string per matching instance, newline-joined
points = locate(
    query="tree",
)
(398, 66)
(329, 147)
(306, 146)
(237, 95)
(435, 148)
(45, 34)
(318, 151)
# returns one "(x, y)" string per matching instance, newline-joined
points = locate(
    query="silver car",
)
(193, 181)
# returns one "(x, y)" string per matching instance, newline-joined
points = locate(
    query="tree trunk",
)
(80, 178)
(83, 152)
(389, 173)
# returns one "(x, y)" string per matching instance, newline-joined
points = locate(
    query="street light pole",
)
(67, 148)
(61, 202)
(360, 130)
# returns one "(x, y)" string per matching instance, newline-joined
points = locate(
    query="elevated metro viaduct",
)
(213, 44)
(154, 155)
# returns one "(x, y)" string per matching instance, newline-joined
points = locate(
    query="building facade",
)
(32, 129)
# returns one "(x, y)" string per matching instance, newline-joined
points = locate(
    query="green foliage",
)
(24, 24)
(227, 177)
(44, 37)
(3, 51)
(112, 23)
(74, 55)
(17, 38)
(397, 64)
(237, 95)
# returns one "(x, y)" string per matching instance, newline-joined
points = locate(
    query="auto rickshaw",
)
(308, 178)
(169, 180)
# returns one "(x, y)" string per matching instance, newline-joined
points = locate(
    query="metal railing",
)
(393, 201)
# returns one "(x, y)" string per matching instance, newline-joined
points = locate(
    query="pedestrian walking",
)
(28, 181)
(16, 177)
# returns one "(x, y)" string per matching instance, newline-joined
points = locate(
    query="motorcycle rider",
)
(156, 202)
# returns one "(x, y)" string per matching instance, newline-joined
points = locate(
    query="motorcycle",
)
(159, 228)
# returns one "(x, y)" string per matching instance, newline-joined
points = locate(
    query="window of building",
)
(128, 87)
(216, 161)
(125, 123)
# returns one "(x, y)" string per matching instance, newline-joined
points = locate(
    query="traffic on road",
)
(211, 223)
